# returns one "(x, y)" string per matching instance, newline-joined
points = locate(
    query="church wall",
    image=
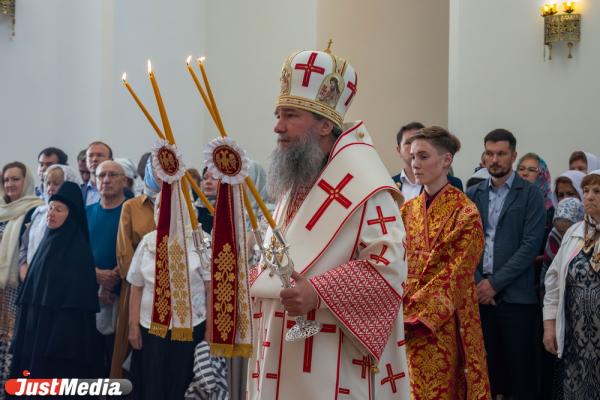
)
(248, 43)
(399, 49)
(60, 76)
(499, 78)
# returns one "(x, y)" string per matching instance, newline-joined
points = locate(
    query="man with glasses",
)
(103, 224)
(96, 153)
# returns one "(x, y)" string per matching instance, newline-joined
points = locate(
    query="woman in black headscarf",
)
(56, 334)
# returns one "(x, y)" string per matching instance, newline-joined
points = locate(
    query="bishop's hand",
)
(301, 298)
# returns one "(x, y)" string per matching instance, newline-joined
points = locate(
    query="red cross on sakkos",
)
(308, 343)
(379, 257)
(334, 193)
(391, 378)
(309, 68)
(381, 220)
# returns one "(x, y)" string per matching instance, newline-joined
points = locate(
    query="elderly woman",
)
(54, 177)
(162, 368)
(16, 205)
(572, 300)
(533, 168)
(56, 334)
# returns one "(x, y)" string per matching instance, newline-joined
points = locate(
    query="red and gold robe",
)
(445, 349)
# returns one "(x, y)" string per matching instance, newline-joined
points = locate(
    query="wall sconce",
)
(7, 8)
(564, 27)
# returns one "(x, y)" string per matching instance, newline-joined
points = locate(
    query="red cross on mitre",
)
(381, 220)
(333, 193)
(308, 342)
(309, 68)
(379, 257)
(392, 378)
(352, 86)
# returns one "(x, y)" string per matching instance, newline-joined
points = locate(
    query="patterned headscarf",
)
(570, 209)
(543, 180)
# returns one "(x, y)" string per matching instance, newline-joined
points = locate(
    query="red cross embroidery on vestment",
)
(265, 343)
(391, 378)
(334, 193)
(309, 68)
(352, 87)
(308, 343)
(381, 220)
(379, 257)
(343, 391)
(256, 375)
(365, 364)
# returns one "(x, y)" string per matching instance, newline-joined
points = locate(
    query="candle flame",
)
(189, 59)
(201, 59)
(124, 77)
(149, 67)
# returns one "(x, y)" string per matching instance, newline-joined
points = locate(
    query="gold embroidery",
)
(163, 294)
(179, 283)
(224, 291)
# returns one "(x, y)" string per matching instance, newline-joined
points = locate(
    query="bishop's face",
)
(292, 125)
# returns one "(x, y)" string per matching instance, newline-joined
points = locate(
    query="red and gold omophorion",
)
(445, 349)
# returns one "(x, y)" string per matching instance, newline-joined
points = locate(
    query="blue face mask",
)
(151, 186)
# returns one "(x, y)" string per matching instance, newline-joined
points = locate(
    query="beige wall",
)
(499, 79)
(399, 49)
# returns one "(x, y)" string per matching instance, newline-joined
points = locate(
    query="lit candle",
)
(141, 105)
(569, 6)
(161, 106)
(201, 90)
(211, 97)
(186, 195)
(195, 187)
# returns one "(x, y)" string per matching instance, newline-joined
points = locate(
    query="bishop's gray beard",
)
(297, 166)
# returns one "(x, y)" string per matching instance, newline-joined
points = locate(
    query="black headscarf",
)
(62, 273)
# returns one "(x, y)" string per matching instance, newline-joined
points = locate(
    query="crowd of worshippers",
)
(76, 296)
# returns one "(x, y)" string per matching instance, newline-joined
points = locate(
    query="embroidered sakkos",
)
(444, 340)
(346, 238)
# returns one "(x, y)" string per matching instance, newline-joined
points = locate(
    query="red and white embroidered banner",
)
(230, 324)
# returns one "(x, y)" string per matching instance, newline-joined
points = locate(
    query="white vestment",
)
(346, 237)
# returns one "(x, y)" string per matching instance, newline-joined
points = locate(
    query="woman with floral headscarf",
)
(572, 300)
(17, 201)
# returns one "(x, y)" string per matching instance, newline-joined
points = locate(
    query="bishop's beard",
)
(296, 167)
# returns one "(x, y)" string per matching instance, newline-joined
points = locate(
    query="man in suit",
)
(513, 216)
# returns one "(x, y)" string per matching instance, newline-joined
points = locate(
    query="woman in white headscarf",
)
(54, 177)
(568, 184)
(16, 202)
(572, 300)
(583, 161)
